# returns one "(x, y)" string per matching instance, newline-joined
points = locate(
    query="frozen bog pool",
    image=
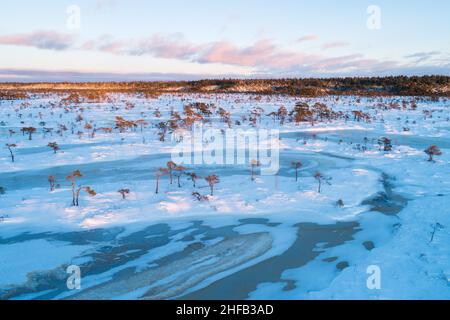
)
(264, 238)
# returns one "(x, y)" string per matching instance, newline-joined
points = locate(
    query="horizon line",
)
(55, 76)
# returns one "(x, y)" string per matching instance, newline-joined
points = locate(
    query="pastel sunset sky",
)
(179, 39)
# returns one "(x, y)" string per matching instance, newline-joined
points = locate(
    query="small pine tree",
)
(193, 177)
(10, 147)
(170, 167)
(54, 146)
(178, 172)
(88, 190)
(29, 131)
(124, 193)
(51, 180)
(433, 151)
(321, 179)
(297, 165)
(71, 177)
(212, 180)
(159, 173)
(386, 143)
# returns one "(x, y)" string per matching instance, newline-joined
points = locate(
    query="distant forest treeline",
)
(372, 86)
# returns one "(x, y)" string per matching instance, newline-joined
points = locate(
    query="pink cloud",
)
(171, 47)
(40, 39)
(105, 43)
(226, 52)
(263, 54)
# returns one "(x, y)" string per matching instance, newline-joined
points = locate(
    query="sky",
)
(115, 40)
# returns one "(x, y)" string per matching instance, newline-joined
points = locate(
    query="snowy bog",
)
(338, 197)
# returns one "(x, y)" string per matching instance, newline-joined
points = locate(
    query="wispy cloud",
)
(337, 44)
(262, 57)
(172, 46)
(419, 57)
(309, 37)
(40, 39)
(263, 54)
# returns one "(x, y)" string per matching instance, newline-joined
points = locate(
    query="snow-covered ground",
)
(171, 245)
